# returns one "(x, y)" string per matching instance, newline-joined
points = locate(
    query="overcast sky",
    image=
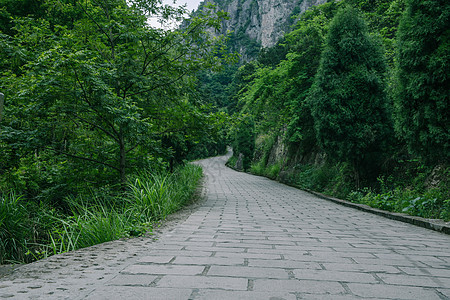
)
(190, 5)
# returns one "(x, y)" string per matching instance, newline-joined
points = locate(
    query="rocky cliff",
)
(258, 23)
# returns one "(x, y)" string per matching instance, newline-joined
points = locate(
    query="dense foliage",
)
(348, 101)
(105, 89)
(423, 78)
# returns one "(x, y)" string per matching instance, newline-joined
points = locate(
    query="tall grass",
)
(156, 196)
(27, 234)
(273, 171)
(257, 168)
(151, 197)
(91, 223)
(15, 230)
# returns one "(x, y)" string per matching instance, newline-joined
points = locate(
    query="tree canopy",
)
(422, 97)
(92, 89)
(348, 101)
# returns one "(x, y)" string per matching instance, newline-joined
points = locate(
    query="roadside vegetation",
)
(353, 103)
(30, 231)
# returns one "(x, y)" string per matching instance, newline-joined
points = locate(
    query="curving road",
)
(252, 238)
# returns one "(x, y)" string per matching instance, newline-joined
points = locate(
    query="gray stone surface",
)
(251, 238)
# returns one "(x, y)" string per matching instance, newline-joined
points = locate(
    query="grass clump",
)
(257, 168)
(272, 171)
(90, 224)
(156, 196)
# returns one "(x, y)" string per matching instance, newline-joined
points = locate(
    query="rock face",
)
(240, 162)
(258, 23)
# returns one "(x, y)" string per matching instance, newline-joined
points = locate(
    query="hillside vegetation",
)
(353, 102)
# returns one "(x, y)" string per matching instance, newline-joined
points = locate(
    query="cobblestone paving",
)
(252, 238)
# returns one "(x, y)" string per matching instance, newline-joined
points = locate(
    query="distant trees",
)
(348, 101)
(422, 99)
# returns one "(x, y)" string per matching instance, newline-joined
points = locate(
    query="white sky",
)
(190, 5)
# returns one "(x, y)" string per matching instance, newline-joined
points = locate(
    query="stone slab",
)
(203, 282)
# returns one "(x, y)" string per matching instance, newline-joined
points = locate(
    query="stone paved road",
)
(252, 238)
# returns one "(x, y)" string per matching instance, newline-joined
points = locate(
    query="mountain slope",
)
(258, 23)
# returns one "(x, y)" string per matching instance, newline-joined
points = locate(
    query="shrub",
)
(257, 168)
(429, 204)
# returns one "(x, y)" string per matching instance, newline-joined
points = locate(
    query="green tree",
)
(348, 100)
(274, 89)
(239, 84)
(106, 91)
(244, 141)
(306, 44)
(382, 17)
(213, 86)
(422, 97)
